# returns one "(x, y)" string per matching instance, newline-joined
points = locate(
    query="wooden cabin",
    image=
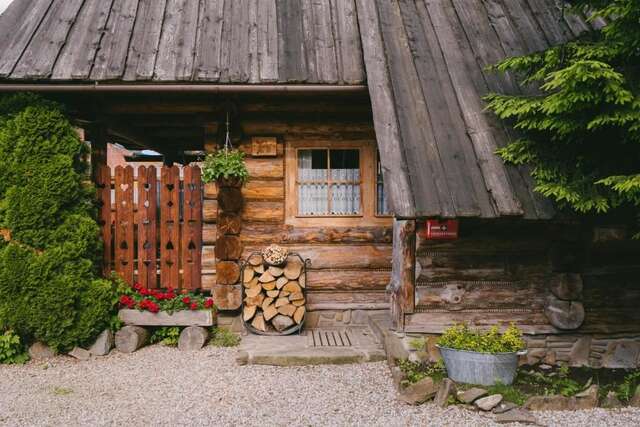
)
(369, 149)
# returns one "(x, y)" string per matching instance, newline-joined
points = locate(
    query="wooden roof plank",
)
(291, 50)
(336, 35)
(143, 49)
(479, 129)
(430, 188)
(385, 121)
(324, 43)
(442, 142)
(176, 51)
(526, 25)
(239, 47)
(225, 41)
(28, 17)
(308, 24)
(77, 56)
(548, 16)
(456, 123)
(112, 55)
(350, 47)
(41, 53)
(254, 64)
(268, 41)
(209, 49)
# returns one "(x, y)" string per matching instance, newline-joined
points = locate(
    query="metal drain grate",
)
(330, 338)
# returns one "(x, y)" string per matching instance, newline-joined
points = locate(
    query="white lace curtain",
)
(324, 191)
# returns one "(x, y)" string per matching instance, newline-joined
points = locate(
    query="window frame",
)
(368, 191)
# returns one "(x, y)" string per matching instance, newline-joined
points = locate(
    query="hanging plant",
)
(225, 165)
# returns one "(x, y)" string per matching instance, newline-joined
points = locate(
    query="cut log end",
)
(193, 338)
(131, 338)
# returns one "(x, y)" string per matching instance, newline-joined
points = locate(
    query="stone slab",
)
(178, 318)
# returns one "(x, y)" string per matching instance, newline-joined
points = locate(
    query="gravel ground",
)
(163, 386)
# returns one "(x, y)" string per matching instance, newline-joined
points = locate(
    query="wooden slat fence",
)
(152, 231)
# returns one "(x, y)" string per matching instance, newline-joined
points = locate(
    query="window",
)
(328, 182)
(334, 183)
(382, 207)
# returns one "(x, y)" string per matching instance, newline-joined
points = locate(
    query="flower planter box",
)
(486, 369)
(163, 318)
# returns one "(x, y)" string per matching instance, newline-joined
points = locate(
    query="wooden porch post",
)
(403, 263)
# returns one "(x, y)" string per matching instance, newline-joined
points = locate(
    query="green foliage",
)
(417, 344)
(581, 131)
(627, 388)
(225, 164)
(461, 337)
(558, 382)
(168, 335)
(50, 289)
(11, 349)
(416, 371)
(222, 337)
(509, 393)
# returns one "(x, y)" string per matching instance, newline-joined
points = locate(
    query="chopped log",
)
(252, 283)
(566, 286)
(228, 248)
(299, 314)
(269, 286)
(230, 199)
(281, 281)
(292, 270)
(266, 277)
(292, 287)
(281, 301)
(258, 323)
(565, 315)
(299, 302)
(255, 260)
(258, 268)
(256, 300)
(287, 310)
(252, 292)
(275, 271)
(193, 338)
(284, 293)
(280, 322)
(273, 294)
(302, 281)
(227, 272)
(296, 296)
(249, 311)
(131, 338)
(267, 302)
(270, 311)
(227, 297)
(229, 223)
(247, 274)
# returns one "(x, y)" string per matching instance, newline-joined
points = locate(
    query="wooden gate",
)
(152, 225)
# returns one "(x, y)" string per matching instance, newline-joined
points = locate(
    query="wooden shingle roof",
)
(162, 41)
(426, 66)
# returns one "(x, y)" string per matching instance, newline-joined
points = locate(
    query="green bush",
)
(221, 337)
(225, 164)
(11, 349)
(461, 337)
(50, 289)
(167, 335)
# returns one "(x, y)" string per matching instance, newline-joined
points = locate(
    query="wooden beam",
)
(96, 134)
(403, 261)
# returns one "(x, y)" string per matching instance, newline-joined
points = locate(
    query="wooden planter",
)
(163, 318)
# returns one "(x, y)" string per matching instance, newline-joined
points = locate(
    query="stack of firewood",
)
(274, 298)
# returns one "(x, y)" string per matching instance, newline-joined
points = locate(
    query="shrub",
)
(11, 349)
(50, 289)
(168, 335)
(416, 371)
(225, 164)
(461, 337)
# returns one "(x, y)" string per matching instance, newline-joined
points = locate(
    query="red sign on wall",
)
(442, 230)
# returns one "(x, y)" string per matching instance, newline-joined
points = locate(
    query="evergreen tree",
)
(580, 131)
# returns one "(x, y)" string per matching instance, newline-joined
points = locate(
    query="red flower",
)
(194, 306)
(137, 286)
(186, 300)
(145, 292)
(153, 307)
(208, 303)
(127, 301)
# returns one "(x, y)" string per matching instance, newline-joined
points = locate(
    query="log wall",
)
(350, 266)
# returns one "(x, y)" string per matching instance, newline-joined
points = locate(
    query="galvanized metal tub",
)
(471, 367)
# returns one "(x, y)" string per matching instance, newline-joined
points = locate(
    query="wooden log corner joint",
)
(274, 296)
